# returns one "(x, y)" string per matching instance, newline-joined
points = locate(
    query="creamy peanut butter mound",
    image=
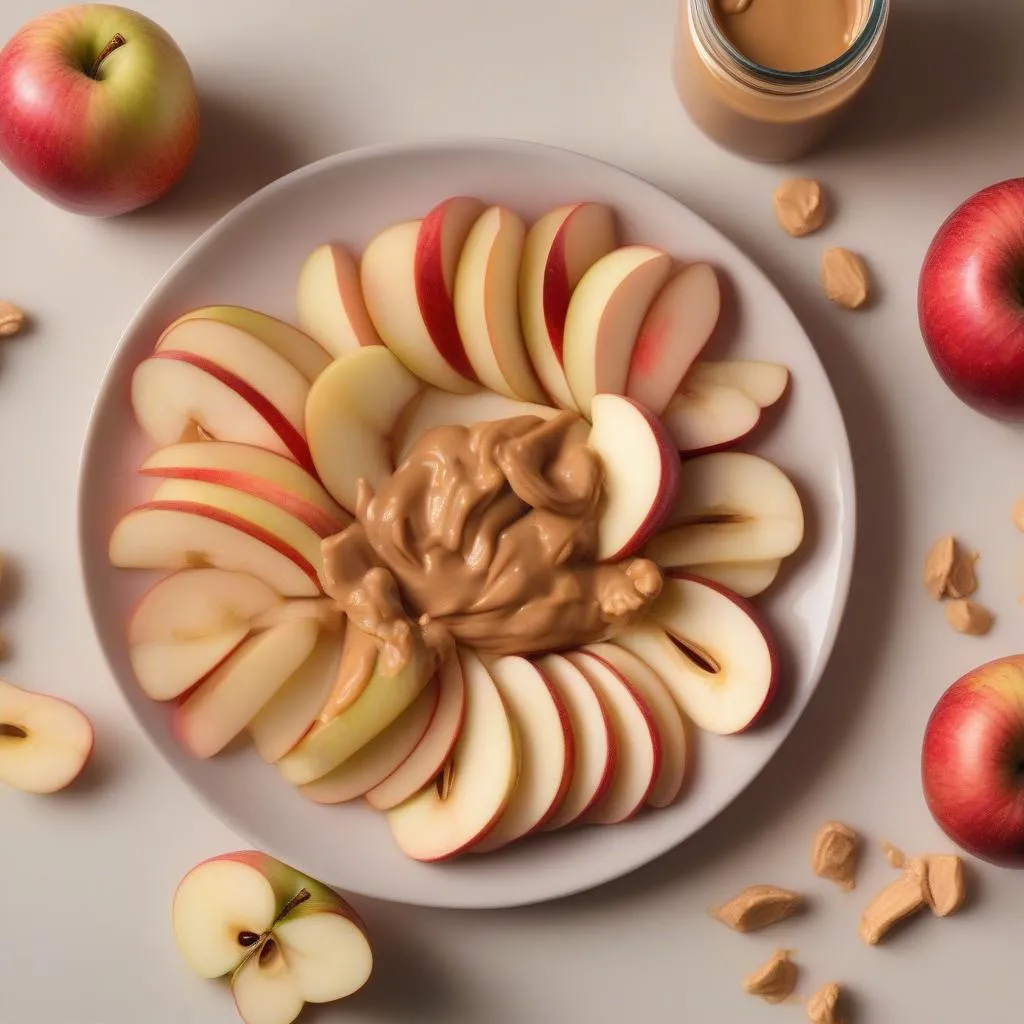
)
(486, 535)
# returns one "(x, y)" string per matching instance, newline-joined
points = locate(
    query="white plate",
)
(251, 257)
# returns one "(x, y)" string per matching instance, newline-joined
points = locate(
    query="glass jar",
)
(759, 112)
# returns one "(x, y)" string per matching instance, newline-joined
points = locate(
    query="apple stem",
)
(115, 44)
(13, 731)
(296, 901)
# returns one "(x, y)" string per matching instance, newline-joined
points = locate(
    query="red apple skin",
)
(972, 762)
(971, 300)
(557, 291)
(99, 146)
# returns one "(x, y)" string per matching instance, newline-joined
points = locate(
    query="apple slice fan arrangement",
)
(473, 542)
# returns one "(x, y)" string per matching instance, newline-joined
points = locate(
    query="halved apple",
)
(559, 249)
(388, 277)
(637, 743)
(382, 756)
(182, 535)
(703, 417)
(711, 650)
(735, 507)
(450, 815)
(487, 305)
(748, 579)
(544, 734)
(350, 414)
(222, 705)
(675, 747)
(308, 357)
(594, 757)
(604, 318)
(763, 383)
(424, 764)
(641, 474)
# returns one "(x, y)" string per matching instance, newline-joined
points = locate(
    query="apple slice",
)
(559, 249)
(712, 652)
(637, 743)
(735, 507)
(487, 305)
(676, 328)
(179, 535)
(594, 758)
(309, 358)
(388, 277)
(257, 472)
(544, 735)
(604, 318)
(641, 479)
(189, 622)
(290, 713)
(675, 752)
(748, 579)
(704, 417)
(424, 764)
(763, 383)
(350, 415)
(45, 742)
(449, 816)
(222, 706)
(383, 755)
(329, 301)
(434, 408)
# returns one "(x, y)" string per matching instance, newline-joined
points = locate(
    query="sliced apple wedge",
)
(748, 579)
(292, 711)
(388, 277)
(594, 758)
(544, 735)
(604, 318)
(382, 756)
(641, 475)
(677, 326)
(308, 357)
(704, 417)
(450, 815)
(675, 748)
(189, 622)
(735, 507)
(351, 412)
(712, 652)
(424, 764)
(226, 702)
(763, 383)
(637, 743)
(487, 305)
(179, 535)
(559, 249)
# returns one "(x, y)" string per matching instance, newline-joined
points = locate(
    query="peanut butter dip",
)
(486, 535)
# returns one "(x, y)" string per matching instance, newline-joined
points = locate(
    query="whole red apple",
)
(971, 300)
(972, 762)
(98, 109)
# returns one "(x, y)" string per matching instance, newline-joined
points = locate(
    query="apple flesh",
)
(972, 758)
(703, 417)
(763, 383)
(748, 579)
(45, 742)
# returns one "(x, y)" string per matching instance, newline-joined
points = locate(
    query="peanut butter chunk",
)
(896, 902)
(758, 907)
(773, 981)
(946, 889)
(799, 206)
(969, 617)
(822, 1006)
(844, 277)
(834, 854)
(12, 319)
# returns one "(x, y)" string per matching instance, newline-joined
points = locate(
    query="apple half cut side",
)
(461, 807)
(351, 412)
(382, 756)
(747, 579)
(180, 535)
(594, 759)
(735, 507)
(604, 318)
(45, 742)
(703, 417)
(676, 328)
(305, 354)
(763, 383)
(712, 651)
(544, 734)
(425, 763)
(559, 249)
(641, 475)
(387, 274)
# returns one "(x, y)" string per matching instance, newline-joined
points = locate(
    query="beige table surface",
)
(86, 878)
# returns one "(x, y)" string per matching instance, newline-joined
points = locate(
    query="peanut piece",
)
(946, 890)
(821, 1007)
(773, 981)
(896, 902)
(1018, 514)
(894, 855)
(758, 907)
(949, 570)
(969, 617)
(844, 277)
(799, 206)
(12, 319)
(834, 854)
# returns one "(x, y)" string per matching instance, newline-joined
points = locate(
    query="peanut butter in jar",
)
(769, 79)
